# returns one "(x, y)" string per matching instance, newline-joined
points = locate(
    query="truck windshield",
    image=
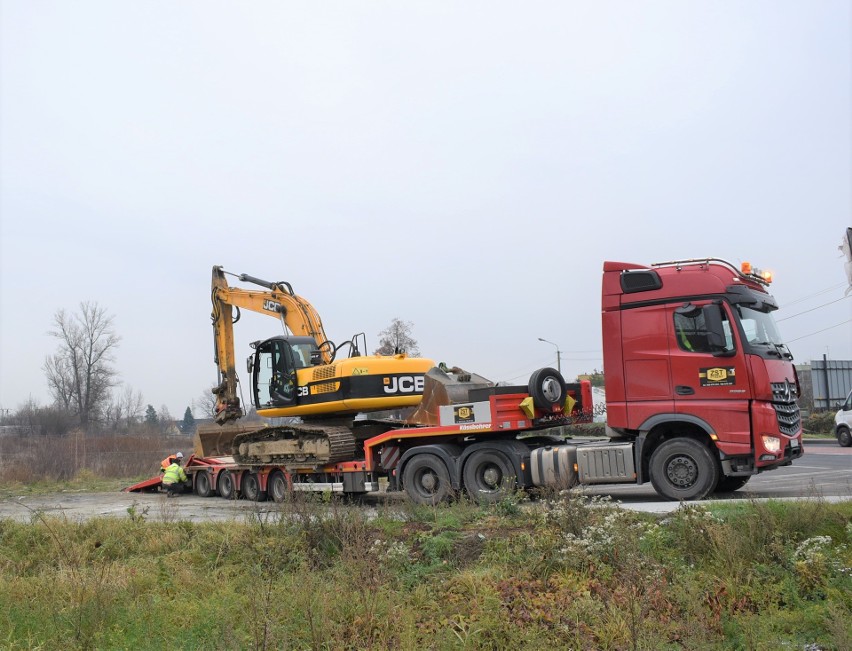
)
(759, 327)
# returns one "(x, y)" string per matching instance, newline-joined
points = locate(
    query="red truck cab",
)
(691, 351)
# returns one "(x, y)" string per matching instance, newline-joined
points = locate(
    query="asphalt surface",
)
(824, 472)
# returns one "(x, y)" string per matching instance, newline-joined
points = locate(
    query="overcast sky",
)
(465, 166)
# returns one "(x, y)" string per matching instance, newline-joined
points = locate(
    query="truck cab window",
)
(692, 336)
(758, 327)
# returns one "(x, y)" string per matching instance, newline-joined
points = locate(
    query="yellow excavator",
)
(301, 374)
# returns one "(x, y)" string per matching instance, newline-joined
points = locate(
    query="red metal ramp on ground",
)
(151, 485)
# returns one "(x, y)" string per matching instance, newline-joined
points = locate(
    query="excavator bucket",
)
(442, 386)
(216, 440)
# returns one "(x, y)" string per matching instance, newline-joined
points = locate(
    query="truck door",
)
(645, 351)
(710, 381)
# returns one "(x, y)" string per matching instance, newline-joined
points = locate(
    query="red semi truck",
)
(701, 395)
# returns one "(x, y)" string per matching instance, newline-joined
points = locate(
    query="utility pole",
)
(558, 354)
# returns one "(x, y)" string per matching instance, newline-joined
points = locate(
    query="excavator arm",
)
(276, 300)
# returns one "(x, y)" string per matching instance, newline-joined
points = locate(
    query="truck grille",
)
(784, 397)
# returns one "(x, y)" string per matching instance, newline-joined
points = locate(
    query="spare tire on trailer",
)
(547, 388)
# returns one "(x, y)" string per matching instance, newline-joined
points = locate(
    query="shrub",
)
(819, 422)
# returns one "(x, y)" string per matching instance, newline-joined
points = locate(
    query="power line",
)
(822, 291)
(836, 325)
(814, 308)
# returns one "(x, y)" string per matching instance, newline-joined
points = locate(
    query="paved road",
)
(824, 472)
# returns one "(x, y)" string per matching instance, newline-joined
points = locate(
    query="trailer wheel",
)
(426, 479)
(547, 388)
(844, 437)
(683, 469)
(225, 485)
(203, 487)
(488, 476)
(731, 484)
(251, 488)
(277, 486)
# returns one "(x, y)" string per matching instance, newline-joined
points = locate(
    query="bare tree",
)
(124, 409)
(79, 374)
(396, 338)
(167, 422)
(205, 404)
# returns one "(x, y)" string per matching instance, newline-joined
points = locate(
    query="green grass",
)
(563, 572)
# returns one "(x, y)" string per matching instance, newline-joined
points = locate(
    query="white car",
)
(843, 423)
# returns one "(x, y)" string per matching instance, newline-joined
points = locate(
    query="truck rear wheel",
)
(277, 486)
(203, 486)
(683, 469)
(426, 479)
(251, 488)
(488, 476)
(225, 485)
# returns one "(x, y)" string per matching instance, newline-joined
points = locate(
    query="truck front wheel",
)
(683, 469)
(731, 484)
(844, 437)
(488, 476)
(426, 479)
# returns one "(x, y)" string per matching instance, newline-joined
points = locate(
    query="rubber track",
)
(342, 443)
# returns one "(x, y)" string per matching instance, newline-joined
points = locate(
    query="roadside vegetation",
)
(34, 464)
(819, 424)
(565, 571)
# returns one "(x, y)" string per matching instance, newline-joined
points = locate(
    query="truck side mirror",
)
(249, 364)
(715, 330)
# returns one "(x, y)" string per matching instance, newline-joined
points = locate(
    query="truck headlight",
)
(771, 444)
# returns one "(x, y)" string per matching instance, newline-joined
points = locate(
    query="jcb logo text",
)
(404, 384)
(272, 306)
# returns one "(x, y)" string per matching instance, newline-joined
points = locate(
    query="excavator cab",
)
(273, 369)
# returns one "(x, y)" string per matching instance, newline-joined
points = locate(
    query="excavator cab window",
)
(304, 354)
(274, 374)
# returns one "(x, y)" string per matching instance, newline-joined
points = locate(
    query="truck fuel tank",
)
(564, 466)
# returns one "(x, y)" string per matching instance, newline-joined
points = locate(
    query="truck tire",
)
(844, 437)
(488, 476)
(731, 484)
(426, 479)
(225, 485)
(547, 388)
(251, 488)
(203, 486)
(683, 469)
(277, 487)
